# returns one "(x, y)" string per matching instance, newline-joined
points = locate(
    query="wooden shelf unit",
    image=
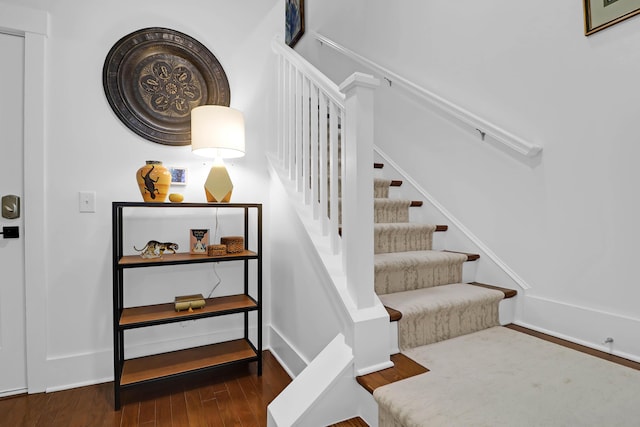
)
(157, 367)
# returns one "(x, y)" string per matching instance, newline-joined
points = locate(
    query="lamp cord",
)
(215, 236)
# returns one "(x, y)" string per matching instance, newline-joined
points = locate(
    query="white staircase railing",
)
(484, 127)
(325, 144)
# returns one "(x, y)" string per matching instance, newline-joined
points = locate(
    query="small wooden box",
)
(216, 250)
(189, 302)
(235, 244)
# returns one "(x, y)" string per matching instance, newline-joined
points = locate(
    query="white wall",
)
(88, 148)
(304, 318)
(566, 222)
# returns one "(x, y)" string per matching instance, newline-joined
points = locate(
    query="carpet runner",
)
(422, 283)
(503, 378)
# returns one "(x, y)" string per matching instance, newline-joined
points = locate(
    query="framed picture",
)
(600, 14)
(198, 240)
(178, 175)
(294, 22)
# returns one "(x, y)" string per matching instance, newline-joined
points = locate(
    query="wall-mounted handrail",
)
(482, 126)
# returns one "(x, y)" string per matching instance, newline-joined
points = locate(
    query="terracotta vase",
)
(153, 180)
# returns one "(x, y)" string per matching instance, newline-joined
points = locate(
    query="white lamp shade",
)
(217, 132)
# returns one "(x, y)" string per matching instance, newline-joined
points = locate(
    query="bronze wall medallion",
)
(154, 77)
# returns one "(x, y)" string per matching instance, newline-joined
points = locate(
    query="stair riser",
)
(383, 213)
(406, 278)
(506, 315)
(387, 241)
(388, 215)
(429, 328)
(381, 190)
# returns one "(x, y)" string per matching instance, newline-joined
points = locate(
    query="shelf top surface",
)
(155, 313)
(158, 366)
(184, 205)
(137, 260)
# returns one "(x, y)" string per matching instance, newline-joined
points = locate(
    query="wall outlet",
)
(87, 201)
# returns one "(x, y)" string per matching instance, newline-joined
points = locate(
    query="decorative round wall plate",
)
(154, 77)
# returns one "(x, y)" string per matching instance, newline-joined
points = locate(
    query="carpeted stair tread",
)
(403, 237)
(442, 312)
(503, 378)
(405, 271)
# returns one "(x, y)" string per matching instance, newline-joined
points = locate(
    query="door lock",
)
(11, 206)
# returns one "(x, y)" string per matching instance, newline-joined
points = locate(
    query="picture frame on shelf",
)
(178, 175)
(294, 21)
(198, 241)
(601, 14)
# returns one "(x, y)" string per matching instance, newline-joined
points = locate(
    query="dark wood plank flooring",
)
(228, 397)
(403, 367)
(588, 350)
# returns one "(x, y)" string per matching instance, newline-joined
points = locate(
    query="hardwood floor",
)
(230, 397)
(403, 368)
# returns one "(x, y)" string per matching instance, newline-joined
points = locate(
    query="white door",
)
(13, 378)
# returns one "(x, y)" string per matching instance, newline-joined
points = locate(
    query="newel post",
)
(357, 187)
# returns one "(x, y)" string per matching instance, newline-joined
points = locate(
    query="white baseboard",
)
(14, 392)
(79, 370)
(83, 369)
(582, 325)
(286, 353)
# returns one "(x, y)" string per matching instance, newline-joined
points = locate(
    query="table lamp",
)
(217, 132)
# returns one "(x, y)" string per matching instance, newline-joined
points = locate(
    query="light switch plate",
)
(87, 201)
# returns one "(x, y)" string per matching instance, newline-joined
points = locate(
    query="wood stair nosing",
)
(378, 165)
(403, 367)
(351, 422)
(394, 315)
(470, 256)
(508, 293)
(395, 183)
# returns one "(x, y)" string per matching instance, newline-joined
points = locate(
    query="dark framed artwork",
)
(601, 14)
(294, 21)
(152, 79)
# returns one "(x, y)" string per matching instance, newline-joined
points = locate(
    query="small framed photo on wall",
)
(294, 21)
(601, 14)
(178, 175)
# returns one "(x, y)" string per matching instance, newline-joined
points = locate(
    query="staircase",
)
(413, 293)
(421, 286)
